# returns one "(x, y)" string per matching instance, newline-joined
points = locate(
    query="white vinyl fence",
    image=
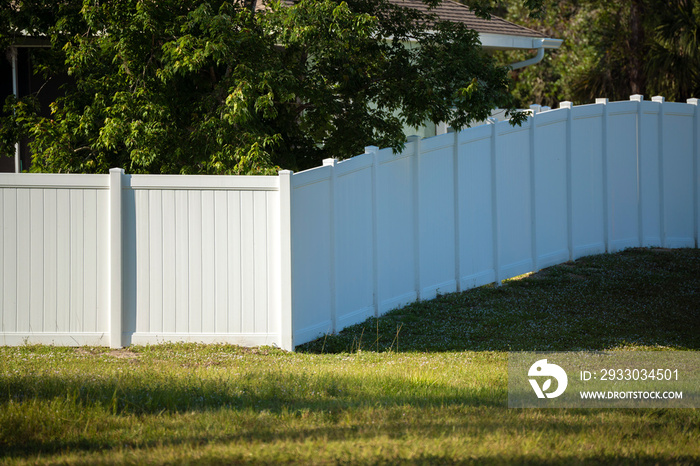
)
(118, 260)
(132, 259)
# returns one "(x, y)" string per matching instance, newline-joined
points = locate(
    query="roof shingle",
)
(449, 10)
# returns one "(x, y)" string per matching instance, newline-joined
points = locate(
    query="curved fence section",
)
(491, 202)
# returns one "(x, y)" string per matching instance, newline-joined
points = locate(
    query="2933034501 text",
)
(604, 379)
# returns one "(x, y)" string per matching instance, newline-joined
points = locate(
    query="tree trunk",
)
(636, 48)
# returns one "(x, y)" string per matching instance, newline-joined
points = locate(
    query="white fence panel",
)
(204, 265)
(677, 156)
(587, 181)
(623, 175)
(549, 184)
(436, 216)
(513, 200)
(476, 207)
(53, 256)
(312, 260)
(354, 245)
(397, 249)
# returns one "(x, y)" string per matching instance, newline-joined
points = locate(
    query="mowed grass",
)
(426, 384)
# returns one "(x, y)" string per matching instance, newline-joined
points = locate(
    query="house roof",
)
(494, 33)
(452, 11)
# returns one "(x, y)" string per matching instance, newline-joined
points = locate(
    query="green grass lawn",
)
(426, 384)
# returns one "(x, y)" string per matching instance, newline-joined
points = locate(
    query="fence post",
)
(415, 168)
(457, 209)
(640, 198)
(495, 224)
(286, 308)
(606, 185)
(696, 162)
(533, 190)
(569, 179)
(116, 257)
(333, 243)
(375, 256)
(662, 207)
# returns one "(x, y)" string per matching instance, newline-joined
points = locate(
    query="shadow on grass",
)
(639, 297)
(571, 459)
(343, 409)
(276, 393)
(473, 422)
(39, 411)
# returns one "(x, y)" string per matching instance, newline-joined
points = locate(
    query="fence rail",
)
(130, 259)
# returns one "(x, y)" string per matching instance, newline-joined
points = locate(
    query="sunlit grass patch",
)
(518, 277)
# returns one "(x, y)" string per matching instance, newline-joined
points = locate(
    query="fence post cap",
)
(371, 149)
(566, 104)
(329, 162)
(693, 101)
(116, 170)
(659, 99)
(602, 100)
(637, 97)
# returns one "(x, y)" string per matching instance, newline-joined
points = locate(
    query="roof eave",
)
(492, 41)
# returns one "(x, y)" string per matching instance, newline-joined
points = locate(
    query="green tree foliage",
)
(674, 55)
(612, 49)
(188, 86)
(547, 82)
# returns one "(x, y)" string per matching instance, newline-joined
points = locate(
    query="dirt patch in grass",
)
(123, 354)
(98, 352)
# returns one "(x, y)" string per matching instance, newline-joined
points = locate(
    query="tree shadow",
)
(34, 432)
(475, 413)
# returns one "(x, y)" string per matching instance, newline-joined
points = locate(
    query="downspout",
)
(522, 64)
(15, 91)
(540, 45)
